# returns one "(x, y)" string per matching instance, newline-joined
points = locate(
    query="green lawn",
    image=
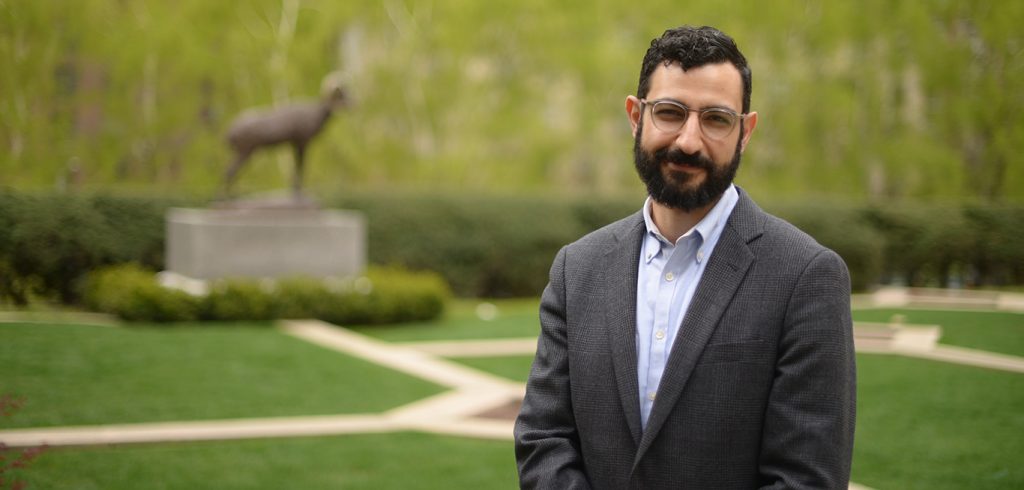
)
(993, 331)
(516, 368)
(514, 318)
(371, 462)
(74, 374)
(925, 424)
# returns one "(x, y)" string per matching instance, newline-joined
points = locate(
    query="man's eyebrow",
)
(710, 106)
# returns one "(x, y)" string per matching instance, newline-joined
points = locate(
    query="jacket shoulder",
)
(766, 232)
(599, 240)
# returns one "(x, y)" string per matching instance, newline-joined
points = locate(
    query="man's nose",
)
(690, 139)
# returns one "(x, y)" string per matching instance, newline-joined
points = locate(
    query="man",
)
(700, 343)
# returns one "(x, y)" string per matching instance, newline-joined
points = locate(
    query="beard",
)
(677, 190)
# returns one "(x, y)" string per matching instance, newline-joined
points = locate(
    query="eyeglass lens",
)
(670, 117)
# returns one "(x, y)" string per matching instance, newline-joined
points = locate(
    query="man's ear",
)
(633, 111)
(748, 129)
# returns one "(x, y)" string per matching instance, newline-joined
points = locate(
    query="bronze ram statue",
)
(295, 123)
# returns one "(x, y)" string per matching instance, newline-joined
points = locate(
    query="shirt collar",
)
(704, 228)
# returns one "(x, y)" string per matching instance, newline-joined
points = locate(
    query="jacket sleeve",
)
(809, 424)
(546, 439)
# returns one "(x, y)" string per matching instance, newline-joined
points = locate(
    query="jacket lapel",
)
(620, 276)
(722, 277)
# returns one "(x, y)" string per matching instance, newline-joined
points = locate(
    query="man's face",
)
(686, 169)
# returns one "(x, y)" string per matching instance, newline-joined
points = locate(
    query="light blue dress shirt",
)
(668, 276)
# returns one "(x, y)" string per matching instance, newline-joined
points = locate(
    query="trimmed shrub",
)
(240, 300)
(381, 296)
(138, 227)
(925, 245)
(302, 297)
(49, 242)
(997, 250)
(483, 246)
(132, 293)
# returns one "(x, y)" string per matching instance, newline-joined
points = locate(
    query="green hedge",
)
(997, 256)
(502, 246)
(49, 241)
(485, 247)
(381, 296)
(132, 293)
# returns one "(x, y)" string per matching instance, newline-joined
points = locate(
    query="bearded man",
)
(701, 342)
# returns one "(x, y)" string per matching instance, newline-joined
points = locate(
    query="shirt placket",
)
(659, 349)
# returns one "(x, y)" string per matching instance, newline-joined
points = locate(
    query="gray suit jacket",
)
(759, 390)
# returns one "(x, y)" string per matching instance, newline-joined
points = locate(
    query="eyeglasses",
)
(670, 116)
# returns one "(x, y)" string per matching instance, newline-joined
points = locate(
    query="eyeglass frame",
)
(736, 116)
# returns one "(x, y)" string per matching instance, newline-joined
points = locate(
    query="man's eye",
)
(717, 119)
(670, 114)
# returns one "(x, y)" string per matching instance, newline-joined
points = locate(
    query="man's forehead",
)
(714, 84)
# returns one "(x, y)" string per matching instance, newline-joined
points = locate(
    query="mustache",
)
(675, 155)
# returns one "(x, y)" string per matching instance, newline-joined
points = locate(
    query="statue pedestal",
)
(267, 242)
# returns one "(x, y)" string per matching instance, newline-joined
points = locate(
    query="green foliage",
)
(381, 296)
(488, 246)
(484, 246)
(138, 237)
(384, 296)
(858, 98)
(301, 297)
(49, 241)
(926, 245)
(132, 293)
(240, 300)
(997, 252)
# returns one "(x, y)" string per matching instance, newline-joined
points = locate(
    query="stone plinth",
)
(215, 243)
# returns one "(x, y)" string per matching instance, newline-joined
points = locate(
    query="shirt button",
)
(660, 335)
(651, 396)
(700, 256)
(670, 276)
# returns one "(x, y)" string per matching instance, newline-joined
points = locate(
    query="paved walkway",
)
(939, 299)
(921, 341)
(473, 394)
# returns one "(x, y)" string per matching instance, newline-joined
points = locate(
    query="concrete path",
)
(939, 299)
(921, 341)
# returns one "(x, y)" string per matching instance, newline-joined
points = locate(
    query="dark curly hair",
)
(692, 47)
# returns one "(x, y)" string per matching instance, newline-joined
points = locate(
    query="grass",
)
(73, 374)
(992, 331)
(516, 368)
(379, 461)
(925, 424)
(513, 318)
